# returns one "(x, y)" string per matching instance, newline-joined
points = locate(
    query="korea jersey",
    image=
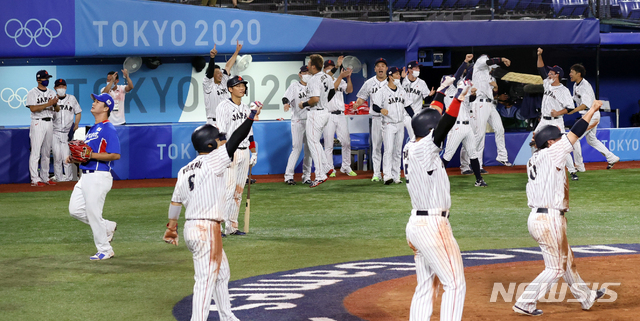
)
(102, 138)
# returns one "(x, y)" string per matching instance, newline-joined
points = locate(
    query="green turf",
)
(45, 273)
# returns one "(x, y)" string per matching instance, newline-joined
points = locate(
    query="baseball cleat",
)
(223, 235)
(581, 169)
(375, 179)
(112, 232)
(506, 163)
(238, 232)
(599, 294)
(483, 171)
(50, 182)
(574, 176)
(101, 256)
(253, 181)
(481, 183)
(467, 172)
(388, 182)
(351, 173)
(534, 313)
(317, 182)
(38, 184)
(333, 174)
(615, 160)
(290, 182)
(307, 182)
(397, 181)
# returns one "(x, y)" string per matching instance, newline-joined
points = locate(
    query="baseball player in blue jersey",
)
(88, 196)
(43, 103)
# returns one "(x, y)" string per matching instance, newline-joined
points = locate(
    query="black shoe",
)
(253, 181)
(290, 182)
(467, 172)
(534, 313)
(307, 182)
(483, 171)
(388, 182)
(224, 235)
(237, 232)
(481, 183)
(574, 176)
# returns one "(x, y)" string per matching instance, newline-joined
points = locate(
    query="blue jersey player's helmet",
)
(424, 121)
(204, 138)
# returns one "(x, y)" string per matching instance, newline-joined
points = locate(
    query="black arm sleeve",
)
(211, 68)
(285, 100)
(239, 135)
(444, 126)
(427, 101)
(580, 127)
(493, 61)
(543, 72)
(409, 111)
(376, 108)
(459, 72)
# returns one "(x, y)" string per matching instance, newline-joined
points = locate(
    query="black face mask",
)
(45, 82)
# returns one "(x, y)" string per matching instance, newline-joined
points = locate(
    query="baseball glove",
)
(171, 235)
(80, 152)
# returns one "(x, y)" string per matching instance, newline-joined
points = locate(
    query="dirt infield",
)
(166, 182)
(391, 300)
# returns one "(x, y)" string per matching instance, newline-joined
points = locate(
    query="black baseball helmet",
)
(424, 121)
(204, 138)
(548, 132)
(236, 80)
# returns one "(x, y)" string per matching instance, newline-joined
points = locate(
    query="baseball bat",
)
(247, 212)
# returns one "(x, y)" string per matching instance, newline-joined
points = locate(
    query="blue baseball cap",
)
(392, 71)
(413, 64)
(105, 98)
(304, 69)
(558, 70)
(382, 60)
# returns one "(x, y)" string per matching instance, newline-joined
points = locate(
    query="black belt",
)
(426, 213)
(89, 171)
(465, 122)
(212, 118)
(317, 109)
(242, 148)
(46, 119)
(550, 118)
(337, 112)
(546, 210)
(488, 100)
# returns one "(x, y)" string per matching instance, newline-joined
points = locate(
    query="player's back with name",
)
(547, 186)
(201, 185)
(319, 86)
(427, 179)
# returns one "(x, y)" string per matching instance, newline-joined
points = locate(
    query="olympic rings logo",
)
(26, 30)
(8, 96)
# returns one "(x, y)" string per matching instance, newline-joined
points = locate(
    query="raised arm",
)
(449, 118)
(232, 60)
(540, 64)
(211, 67)
(125, 74)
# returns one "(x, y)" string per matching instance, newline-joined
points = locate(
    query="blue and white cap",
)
(105, 98)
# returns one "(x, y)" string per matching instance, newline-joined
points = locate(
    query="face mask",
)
(61, 91)
(306, 78)
(396, 82)
(45, 82)
(416, 73)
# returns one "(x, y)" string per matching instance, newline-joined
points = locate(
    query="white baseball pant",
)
(559, 123)
(407, 125)
(393, 135)
(212, 271)
(316, 121)
(337, 124)
(376, 144)
(594, 142)
(298, 140)
(550, 231)
(60, 154)
(41, 137)
(460, 134)
(486, 112)
(87, 202)
(436, 252)
(236, 179)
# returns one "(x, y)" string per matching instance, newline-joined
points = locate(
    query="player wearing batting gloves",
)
(583, 96)
(370, 87)
(43, 103)
(202, 189)
(64, 121)
(417, 91)
(88, 196)
(390, 101)
(231, 113)
(320, 90)
(337, 123)
(428, 231)
(215, 83)
(548, 195)
(117, 92)
(296, 94)
(556, 98)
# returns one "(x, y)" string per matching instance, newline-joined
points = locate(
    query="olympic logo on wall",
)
(9, 96)
(33, 29)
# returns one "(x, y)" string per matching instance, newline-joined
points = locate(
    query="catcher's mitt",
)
(80, 152)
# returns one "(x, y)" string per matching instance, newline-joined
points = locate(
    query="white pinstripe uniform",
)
(548, 195)
(214, 94)
(485, 111)
(201, 187)
(416, 90)
(40, 134)
(296, 93)
(392, 128)
(464, 157)
(461, 133)
(430, 236)
(370, 87)
(62, 123)
(318, 86)
(583, 95)
(229, 117)
(337, 124)
(555, 98)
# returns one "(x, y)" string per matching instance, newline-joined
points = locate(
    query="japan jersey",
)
(393, 100)
(337, 102)
(482, 77)
(583, 94)
(102, 138)
(297, 93)
(370, 87)
(555, 98)
(320, 85)
(39, 97)
(201, 186)
(64, 119)
(416, 92)
(548, 186)
(214, 93)
(230, 116)
(427, 179)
